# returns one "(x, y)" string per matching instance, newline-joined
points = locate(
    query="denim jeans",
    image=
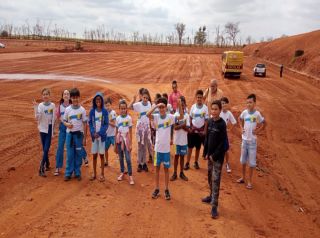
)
(124, 153)
(61, 142)
(74, 153)
(46, 142)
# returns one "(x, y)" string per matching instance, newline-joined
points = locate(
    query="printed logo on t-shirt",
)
(165, 124)
(201, 115)
(251, 119)
(124, 124)
(99, 118)
(77, 116)
(49, 111)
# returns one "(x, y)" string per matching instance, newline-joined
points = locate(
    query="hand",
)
(96, 135)
(84, 142)
(211, 158)
(115, 149)
(69, 125)
(34, 103)
(134, 98)
(161, 104)
(171, 142)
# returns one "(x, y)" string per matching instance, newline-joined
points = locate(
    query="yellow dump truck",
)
(232, 63)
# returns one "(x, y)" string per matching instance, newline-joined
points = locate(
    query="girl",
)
(143, 132)
(65, 101)
(124, 140)
(44, 114)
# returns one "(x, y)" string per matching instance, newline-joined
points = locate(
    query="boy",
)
(214, 152)
(251, 123)
(199, 116)
(180, 140)
(227, 116)
(163, 123)
(75, 120)
(98, 124)
(111, 131)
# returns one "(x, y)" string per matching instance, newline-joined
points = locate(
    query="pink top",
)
(173, 99)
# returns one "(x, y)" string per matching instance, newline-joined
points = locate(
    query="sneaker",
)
(78, 177)
(67, 178)
(186, 167)
(131, 182)
(42, 173)
(214, 212)
(196, 165)
(86, 162)
(48, 168)
(56, 173)
(145, 167)
(139, 168)
(167, 194)
(155, 194)
(206, 199)
(228, 168)
(173, 177)
(120, 177)
(183, 177)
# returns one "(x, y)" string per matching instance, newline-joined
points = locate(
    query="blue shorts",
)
(109, 141)
(226, 144)
(181, 149)
(162, 158)
(249, 153)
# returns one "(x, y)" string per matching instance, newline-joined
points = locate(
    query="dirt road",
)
(285, 199)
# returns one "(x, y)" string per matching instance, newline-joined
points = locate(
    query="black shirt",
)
(214, 144)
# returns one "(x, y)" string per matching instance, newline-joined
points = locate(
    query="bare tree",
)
(201, 36)
(249, 40)
(180, 28)
(232, 30)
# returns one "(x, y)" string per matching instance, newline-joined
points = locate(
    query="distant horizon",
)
(257, 19)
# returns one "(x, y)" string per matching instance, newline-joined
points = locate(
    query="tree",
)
(180, 28)
(4, 33)
(249, 40)
(201, 36)
(232, 30)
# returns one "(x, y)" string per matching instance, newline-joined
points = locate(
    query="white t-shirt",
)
(199, 115)
(180, 137)
(228, 117)
(98, 119)
(163, 133)
(48, 111)
(142, 110)
(76, 117)
(111, 131)
(124, 123)
(62, 110)
(250, 123)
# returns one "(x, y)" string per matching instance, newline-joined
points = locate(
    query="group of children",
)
(160, 124)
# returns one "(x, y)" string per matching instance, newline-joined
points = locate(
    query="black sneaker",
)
(145, 167)
(196, 165)
(183, 177)
(186, 167)
(214, 212)
(67, 178)
(155, 194)
(78, 177)
(167, 194)
(42, 173)
(139, 168)
(173, 177)
(206, 199)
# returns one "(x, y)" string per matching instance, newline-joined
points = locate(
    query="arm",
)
(85, 133)
(260, 127)
(116, 146)
(240, 121)
(112, 123)
(149, 113)
(37, 112)
(134, 98)
(205, 95)
(205, 149)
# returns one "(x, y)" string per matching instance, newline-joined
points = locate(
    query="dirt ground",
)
(286, 195)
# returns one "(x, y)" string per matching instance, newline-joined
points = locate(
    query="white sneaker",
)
(120, 177)
(86, 162)
(131, 180)
(228, 168)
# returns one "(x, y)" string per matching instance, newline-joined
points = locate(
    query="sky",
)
(257, 18)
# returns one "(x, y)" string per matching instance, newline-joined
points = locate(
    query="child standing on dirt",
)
(65, 101)
(143, 133)
(44, 114)
(199, 117)
(214, 149)
(228, 117)
(163, 123)
(169, 106)
(251, 123)
(98, 123)
(75, 120)
(180, 140)
(174, 96)
(124, 140)
(111, 131)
